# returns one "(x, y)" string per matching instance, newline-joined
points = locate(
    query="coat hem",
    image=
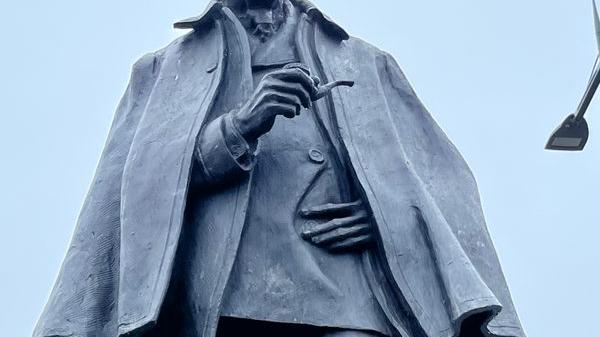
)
(127, 329)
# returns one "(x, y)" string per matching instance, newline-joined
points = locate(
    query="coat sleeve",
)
(83, 300)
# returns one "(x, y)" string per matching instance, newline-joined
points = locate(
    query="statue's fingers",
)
(272, 96)
(282, 97)
(291, 88)
(316, 79)
(334, 224)
(285, 109)
(341, 234)
(352, 243)
(331, 208)
(296, 75)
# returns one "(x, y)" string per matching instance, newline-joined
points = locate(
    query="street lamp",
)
(573, 133)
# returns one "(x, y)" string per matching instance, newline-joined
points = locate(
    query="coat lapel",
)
(220, 216)
(310, 55)
(155, 181)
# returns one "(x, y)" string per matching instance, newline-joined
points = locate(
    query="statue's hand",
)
(349, 227)
(283, 92)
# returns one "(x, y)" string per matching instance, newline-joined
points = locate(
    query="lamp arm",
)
(589, 93)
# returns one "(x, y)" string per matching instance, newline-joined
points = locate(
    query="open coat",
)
(435, 265)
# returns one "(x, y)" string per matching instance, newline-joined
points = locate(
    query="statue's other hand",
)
(349, 227)
(282, 92)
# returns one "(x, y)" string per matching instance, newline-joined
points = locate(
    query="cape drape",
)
(436, 256)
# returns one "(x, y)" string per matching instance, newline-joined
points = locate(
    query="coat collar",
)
(304, 6)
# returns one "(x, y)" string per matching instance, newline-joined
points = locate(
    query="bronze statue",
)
(210, 215)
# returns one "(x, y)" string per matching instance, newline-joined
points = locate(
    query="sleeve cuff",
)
(243, 153)
(222, 151)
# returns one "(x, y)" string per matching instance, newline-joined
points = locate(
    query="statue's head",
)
(263, 17)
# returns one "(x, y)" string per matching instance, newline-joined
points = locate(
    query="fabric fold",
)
(465, 291)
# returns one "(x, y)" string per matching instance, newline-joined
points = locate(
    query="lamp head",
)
(571, 135)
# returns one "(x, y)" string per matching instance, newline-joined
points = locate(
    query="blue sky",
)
(497, 75)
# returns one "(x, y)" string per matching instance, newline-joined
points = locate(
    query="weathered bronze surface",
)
(269, 175)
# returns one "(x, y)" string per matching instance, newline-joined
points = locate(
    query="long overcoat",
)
(435, 265)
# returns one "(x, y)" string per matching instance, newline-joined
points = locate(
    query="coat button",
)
(316, 156)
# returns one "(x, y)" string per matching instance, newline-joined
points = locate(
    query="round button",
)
(316, 156)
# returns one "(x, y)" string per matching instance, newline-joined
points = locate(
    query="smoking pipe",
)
(321, 90)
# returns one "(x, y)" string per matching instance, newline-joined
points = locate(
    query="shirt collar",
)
(304, 6)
